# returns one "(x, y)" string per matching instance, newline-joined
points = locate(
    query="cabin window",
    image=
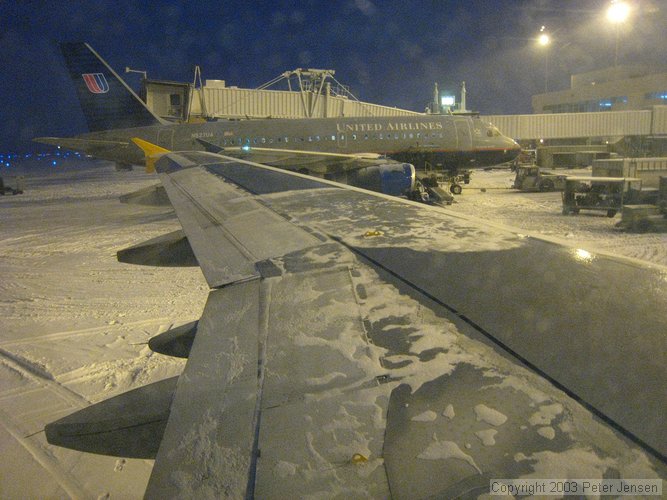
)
(317, 137)
(263, 140)
(286, 139)
(333, 137)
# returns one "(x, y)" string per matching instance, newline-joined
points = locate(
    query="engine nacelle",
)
(390, 178)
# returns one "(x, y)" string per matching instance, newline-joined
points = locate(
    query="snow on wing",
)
(368, 384)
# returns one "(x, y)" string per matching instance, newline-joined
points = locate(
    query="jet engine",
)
(390, 178)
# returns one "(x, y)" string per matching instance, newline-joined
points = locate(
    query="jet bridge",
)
(310, 93)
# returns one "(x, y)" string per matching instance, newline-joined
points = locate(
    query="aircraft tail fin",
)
(107, 102)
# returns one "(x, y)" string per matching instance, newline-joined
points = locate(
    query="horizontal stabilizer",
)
(168, 250)
(176, 342)
(130, 425)
(153, 196)
(95, 147)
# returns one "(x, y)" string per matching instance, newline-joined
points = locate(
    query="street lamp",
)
(544, 40)
(141, 72)
(617, 13)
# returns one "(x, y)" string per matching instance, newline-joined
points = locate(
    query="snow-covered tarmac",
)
(74, 322)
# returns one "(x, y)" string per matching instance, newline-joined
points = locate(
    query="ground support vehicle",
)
(530, 177)
(607, 194)
(13, 186)
(647, 218)
(442, 180)
(429, 190)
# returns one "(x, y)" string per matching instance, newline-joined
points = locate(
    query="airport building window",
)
(605, 104)
(659, 96)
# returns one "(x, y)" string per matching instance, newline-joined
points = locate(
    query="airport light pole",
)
(141, 72)
(544, 40)
(617, 13)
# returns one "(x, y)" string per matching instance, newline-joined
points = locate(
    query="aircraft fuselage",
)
(435, 141)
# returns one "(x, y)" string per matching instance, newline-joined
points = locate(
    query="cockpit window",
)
(492, 132)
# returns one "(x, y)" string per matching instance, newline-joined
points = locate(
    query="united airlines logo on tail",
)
(96, 83)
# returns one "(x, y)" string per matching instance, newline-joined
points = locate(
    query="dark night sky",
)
(389, 51)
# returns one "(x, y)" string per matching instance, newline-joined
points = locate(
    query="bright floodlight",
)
(618, 12)
(447, 100)
(544, 39)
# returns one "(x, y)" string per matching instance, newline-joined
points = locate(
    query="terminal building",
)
(620, 88)
(623, 107)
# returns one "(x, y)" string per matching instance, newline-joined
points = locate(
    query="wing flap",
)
(207, 445)
(304, 331)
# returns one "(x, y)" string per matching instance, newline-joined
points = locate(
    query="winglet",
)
(151, 151)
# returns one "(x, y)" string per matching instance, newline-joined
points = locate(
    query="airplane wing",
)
(316, 162)
(360, 345)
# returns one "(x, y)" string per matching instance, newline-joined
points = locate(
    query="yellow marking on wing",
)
(151, 151)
